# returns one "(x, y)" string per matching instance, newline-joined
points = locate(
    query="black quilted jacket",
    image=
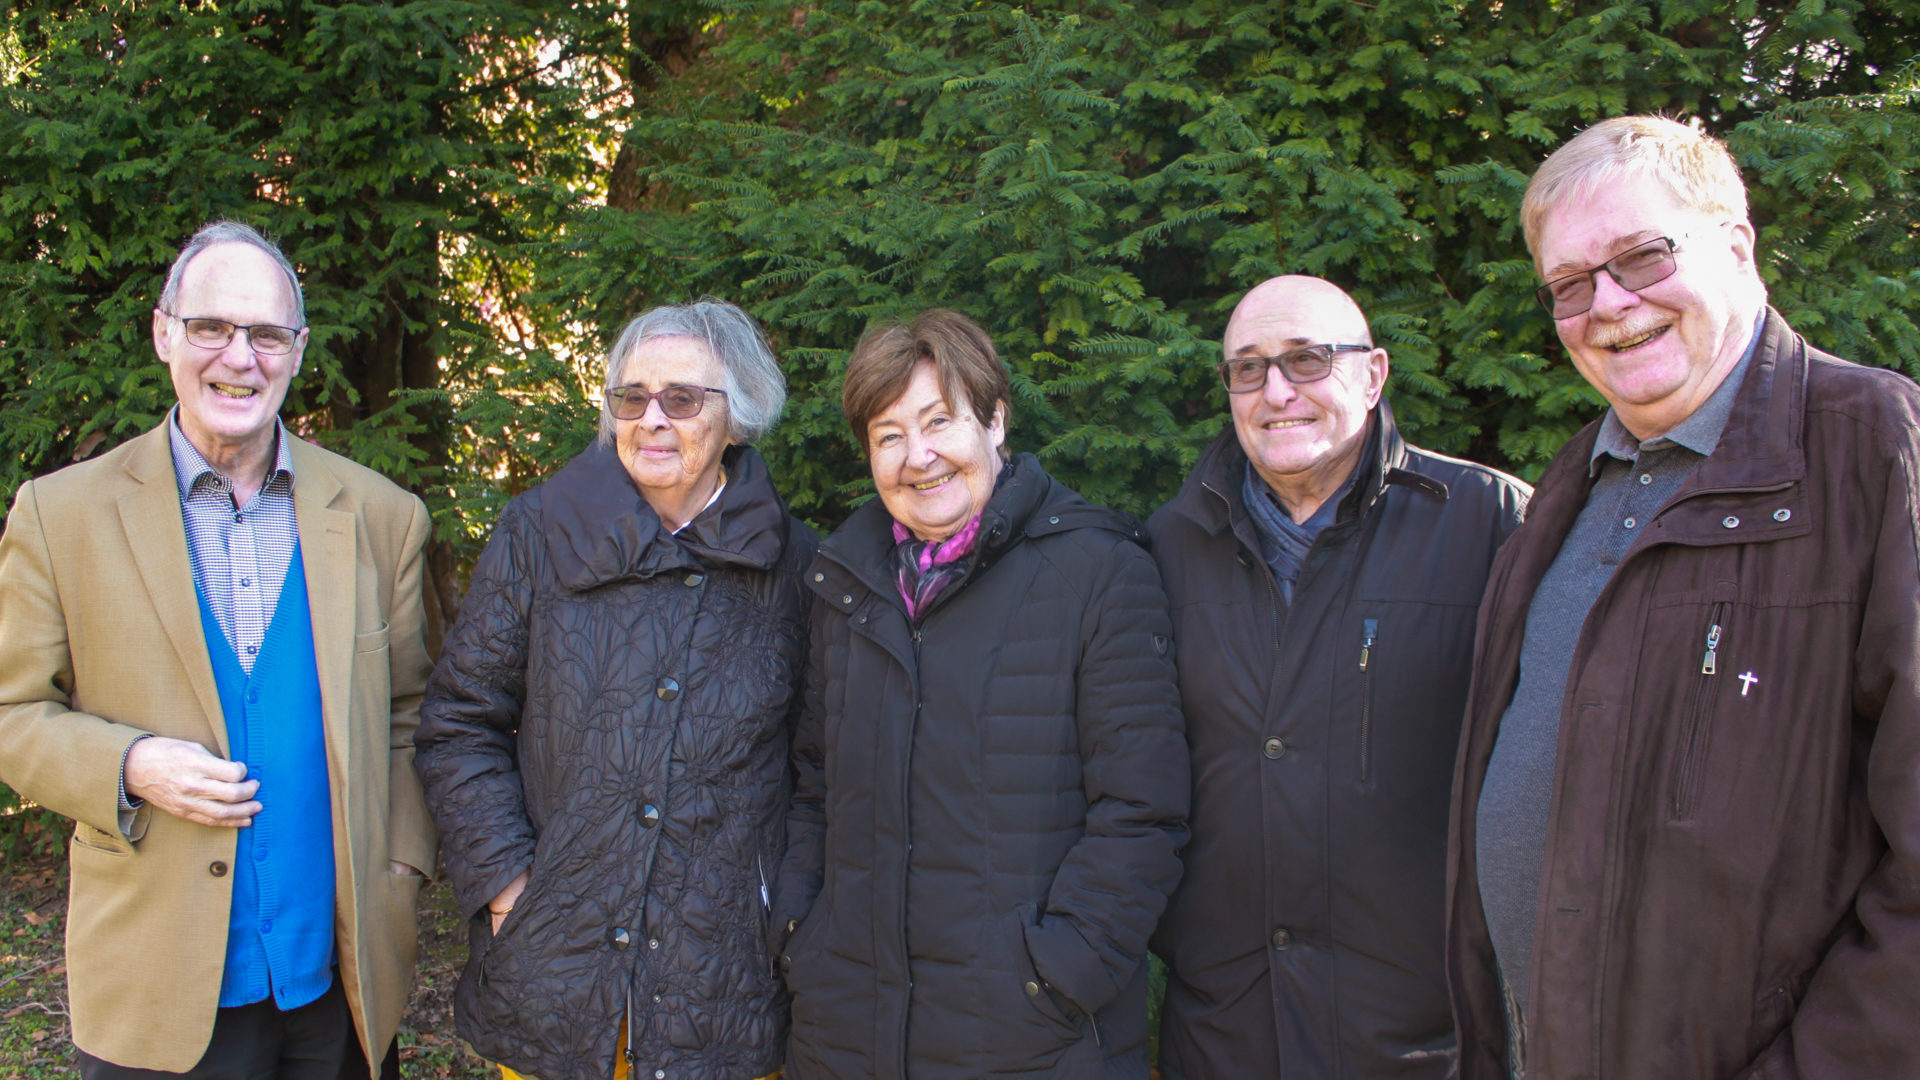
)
(612, 711)
(995, 798)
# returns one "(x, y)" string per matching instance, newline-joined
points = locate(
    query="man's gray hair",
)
(229, 232)
(756, 390)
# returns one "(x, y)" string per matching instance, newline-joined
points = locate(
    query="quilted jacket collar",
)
(599, 529)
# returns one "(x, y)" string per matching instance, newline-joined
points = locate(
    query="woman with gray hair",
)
(604, 741)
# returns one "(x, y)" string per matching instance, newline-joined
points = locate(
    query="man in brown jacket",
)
(211, 658)
(1686, 821)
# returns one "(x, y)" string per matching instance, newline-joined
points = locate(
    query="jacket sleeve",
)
(1114, 883)
(69, 762)
(466, 750)
(1856, 1021)
(410, 832)
(803, 867)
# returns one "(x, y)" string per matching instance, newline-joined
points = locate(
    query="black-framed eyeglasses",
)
(1306, 364)
(217, 333)
(678, 400)
(1634, 269)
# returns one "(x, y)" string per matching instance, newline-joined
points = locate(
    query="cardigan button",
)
(217, 869)
(667, 690)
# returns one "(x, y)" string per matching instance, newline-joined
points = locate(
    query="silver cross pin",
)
(1747, 679)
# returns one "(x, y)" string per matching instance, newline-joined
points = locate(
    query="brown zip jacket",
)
(1731, 884)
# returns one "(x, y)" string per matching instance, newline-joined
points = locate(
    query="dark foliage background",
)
(480, 192)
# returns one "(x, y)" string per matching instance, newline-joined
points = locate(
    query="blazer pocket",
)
(87, 836)
(372, 641)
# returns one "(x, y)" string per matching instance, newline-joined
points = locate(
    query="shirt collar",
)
(1699, 432)
(189, 465)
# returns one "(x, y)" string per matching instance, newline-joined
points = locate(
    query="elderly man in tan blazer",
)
(211, 655)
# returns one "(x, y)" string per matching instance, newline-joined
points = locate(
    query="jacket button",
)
(621, 939)
(848, 599)
(667, 690)
(1032, 988)
(217, 869)
(1241, 558)
(792, 925)
(1051, 521)
(786, 962)
(819, 577)
(1282, 939)
(695, 579)
(1274, 747)
(649, 815)
(1782, 514)
(1730, 522)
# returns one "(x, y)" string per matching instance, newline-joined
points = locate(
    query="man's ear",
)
(161, 325)
(1741, 237)
(1378, 367)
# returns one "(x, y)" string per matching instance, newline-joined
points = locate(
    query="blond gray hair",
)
(1693, 165)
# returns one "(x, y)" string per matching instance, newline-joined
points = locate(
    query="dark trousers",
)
(261, 1042)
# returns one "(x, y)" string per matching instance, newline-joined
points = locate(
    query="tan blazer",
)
(101, 640)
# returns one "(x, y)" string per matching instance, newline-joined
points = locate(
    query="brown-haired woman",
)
(991, 775)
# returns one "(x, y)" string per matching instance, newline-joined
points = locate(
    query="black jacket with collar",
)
(1306, 938)
(611, 712)
(989, 804)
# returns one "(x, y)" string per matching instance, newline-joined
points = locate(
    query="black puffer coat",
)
(1306, 939)
(612, 712)
(996, 797)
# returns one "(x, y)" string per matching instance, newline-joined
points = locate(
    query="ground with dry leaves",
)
(34, 1041)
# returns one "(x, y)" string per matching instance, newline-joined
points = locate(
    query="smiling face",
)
(934, 462)
(1656, 355)
(229, 397)
(674, 463)
(1304, 440)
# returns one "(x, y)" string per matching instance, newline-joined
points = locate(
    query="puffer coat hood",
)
(989, 805)
(611, 713)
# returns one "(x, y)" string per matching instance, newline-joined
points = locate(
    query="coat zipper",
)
(1372, 632)
(906, 829)
(1687, 775)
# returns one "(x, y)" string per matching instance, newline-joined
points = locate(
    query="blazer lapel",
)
(326, 551)
(157, 536)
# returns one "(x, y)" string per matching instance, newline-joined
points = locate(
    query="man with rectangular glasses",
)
(1687, 810)
(212, 652)
(1323, 576)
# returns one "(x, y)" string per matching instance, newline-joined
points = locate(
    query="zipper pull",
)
(766, 901)
(1366, 647)
(1711, 662)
